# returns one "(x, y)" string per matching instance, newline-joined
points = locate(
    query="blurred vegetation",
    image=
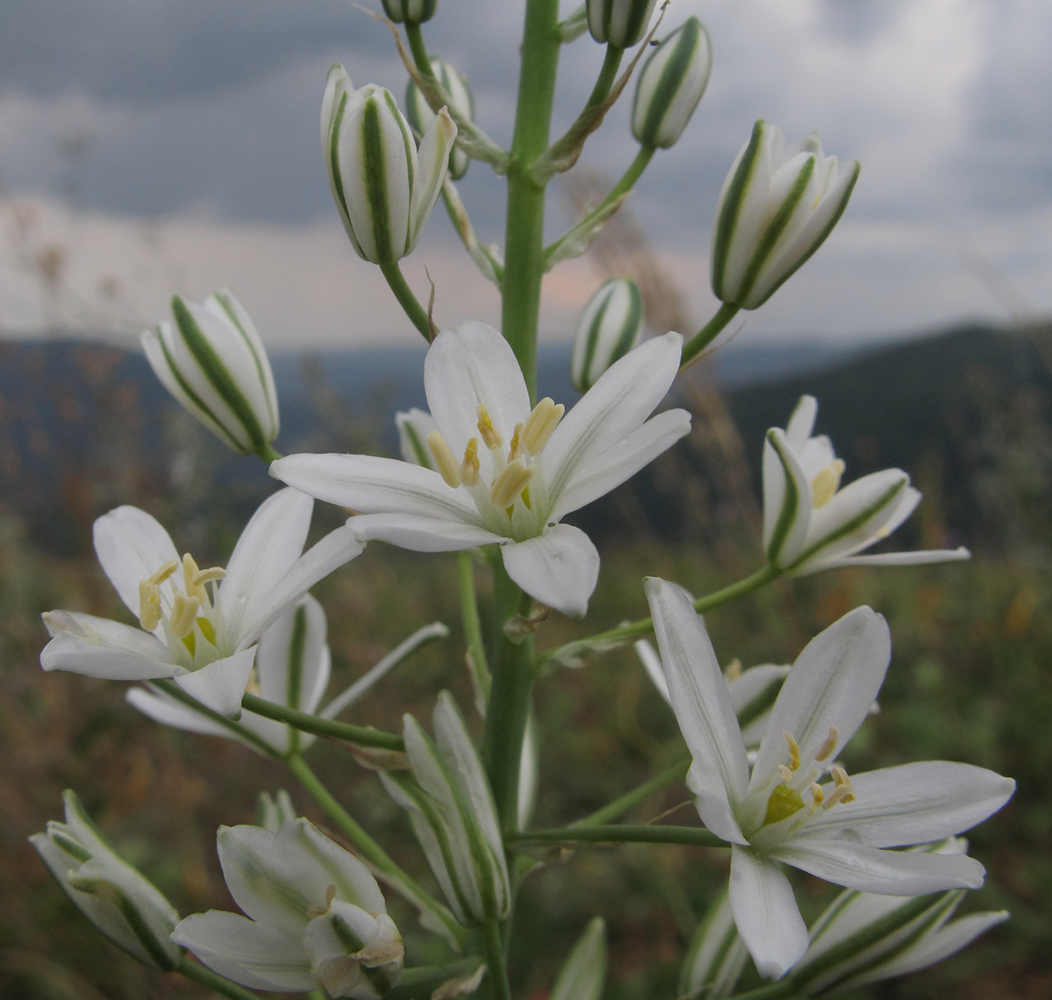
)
(969, 681)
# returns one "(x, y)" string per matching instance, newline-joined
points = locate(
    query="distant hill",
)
(85, 427)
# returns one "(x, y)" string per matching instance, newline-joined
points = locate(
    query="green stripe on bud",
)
(619, 23)
(609, 327)
(671, 85)
(410, 11)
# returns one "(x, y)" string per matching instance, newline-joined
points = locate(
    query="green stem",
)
(378, 858)
(607, 76)
(615, 637)
(495, 962)
(206, 977)
(509, 702)
(774, 991)
(268, 453)
(708, 333)
(418, 48)
(422, 980)
(671, 774)
(524, 230)
(365, 736)
(469, 612)
(692, 836)
(407, 300)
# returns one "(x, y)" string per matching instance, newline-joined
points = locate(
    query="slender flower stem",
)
(773, 991)
(671, 774)
(268, 453)
(407, 300)
(370, 850)
(619, 834)
(469, 612)
(615, 637)
(206, 977)
(365, 736)
(495, 962)
(416, 45)
(708, 333)
(607, 75)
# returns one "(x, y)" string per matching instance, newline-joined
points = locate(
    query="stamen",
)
(733, 671)
(190, 570)
(515, 448)
(830, 744)
(469, 468)
(164, 572)
(817, 797)
(203, 576)
(785, 774)
(448, 467)
(842, 791)
(491, 437)
(794, 752)
(827, 482)
(184, 615)
(540, 424)
(511, 482)
(149, 605)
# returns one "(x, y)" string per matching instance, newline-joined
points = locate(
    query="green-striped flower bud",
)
(453, 816)
(211, 359)
(420, 115)
(410, 11)
(671, 84)
(777, 206)
(716, 957)
(384, 187)
(609, 327)
(106, 889)
(620, 23)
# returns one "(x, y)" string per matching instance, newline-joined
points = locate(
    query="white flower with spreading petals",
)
(198, 626)
(797, 805)
(811, 524)
(523, 469)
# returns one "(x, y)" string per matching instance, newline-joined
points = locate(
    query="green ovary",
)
(784, 801)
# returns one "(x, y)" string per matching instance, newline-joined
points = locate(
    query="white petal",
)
(766, 913)
(433, 160)
(131, 545)
(421, 534)
(293, 651)
(914, 804)
(873, 869)
(248, 953)
(271, 542)
(598, 475)
(801, 423)
(756, 687)
(559, 568)
(169, 712)
(98, 647)
(788, 502)
(648, 656)
(468, 366)
(220, 685)
(625, 395)
(893, 559)
(703, 708)
(833, 683)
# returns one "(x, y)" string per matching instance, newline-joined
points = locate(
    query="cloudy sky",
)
(157, 146)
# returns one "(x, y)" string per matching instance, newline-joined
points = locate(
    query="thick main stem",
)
(524, 231)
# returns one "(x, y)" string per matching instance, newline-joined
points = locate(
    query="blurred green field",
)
(969, 681)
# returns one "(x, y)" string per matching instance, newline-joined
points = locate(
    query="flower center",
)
(787, 796)
(193, 605)
(827, 482)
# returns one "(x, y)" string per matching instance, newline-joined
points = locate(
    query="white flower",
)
(384, 187)
(315, 916)
(619, 23)
(782, 810)
(523, 469)
(671, 84)
(609, 327)
(810, 524)
(199, 626)
(410, 11)
(106, 889)
(777, 206)
(211, 359)
(451, 809)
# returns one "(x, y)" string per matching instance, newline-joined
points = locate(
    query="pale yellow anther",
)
(842, 790)
(490, 435)
(794, 752)
(448, 467)
(190, 570)
(827, 482)
(149, 605)
(469, 468)
(830, 744)
(511, 482)
(184, 614)
(540, 424)
(817, 796)
(785, 774)
(164, 572)
(733, 671)
(203, 576)
(515, 448)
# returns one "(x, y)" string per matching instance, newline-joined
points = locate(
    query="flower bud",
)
(777, 206)
(385, 188)
(716, 957)
(671, 84)
(106, 889)
(583, 974)
(609, 327)
(410, 11)
(413, 428)
(211, 359)
(420, 115)
(453, 816)
(620, 23)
